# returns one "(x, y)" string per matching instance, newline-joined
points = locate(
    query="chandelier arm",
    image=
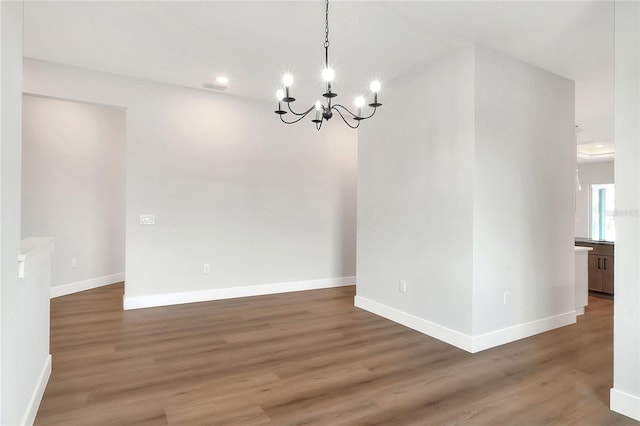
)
(344, 119)
(353, 115)
(295, 121)
(297, 113)
(336, 106)
(372, 113)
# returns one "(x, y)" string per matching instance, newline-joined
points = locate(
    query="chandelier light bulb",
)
(375, 86)
(279, 95)
(318, 106)
(328, 74)
(287, 80)
(359, 102)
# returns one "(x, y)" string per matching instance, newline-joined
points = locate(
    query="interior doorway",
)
(73, 188)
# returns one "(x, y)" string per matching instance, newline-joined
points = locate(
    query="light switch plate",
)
(147, 219)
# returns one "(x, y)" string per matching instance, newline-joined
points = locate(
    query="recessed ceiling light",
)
(220, 83)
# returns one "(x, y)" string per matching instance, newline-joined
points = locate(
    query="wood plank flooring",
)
(311, 358)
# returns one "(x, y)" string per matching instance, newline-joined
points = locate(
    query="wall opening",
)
(73, 188)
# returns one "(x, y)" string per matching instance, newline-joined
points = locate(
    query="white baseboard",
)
(447, 335)
(64, 289)
(520, 331)
(138, 302)
(34, 403)
(624, 403)
(580, 311)
(464, 341)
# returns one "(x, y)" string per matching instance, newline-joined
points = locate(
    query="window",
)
(603, 225)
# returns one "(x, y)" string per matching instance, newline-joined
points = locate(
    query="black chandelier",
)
(325, 112)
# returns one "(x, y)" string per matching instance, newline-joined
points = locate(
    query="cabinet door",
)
(595, 272)
(607, 274)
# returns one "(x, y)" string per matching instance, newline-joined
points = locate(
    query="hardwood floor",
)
(311, 358)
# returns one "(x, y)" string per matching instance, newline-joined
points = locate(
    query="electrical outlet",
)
(402, 286)
(206, 268)
(147, 219)
(74, 262)
(505, 297)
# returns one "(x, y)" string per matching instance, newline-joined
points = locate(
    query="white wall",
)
(467, 193)
(523, 194)
(73, 185)
(229, 185)
(625, 395)
(590, 174)
(415, 197)
(24, 319)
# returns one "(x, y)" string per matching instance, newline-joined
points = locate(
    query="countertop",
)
(33, 252)
(590, 241)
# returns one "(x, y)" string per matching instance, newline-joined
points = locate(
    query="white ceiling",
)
(595, 152)
(255, 42)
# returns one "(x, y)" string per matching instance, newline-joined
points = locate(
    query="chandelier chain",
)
(326, 34)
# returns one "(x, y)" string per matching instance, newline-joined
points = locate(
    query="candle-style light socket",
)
(287, 98)
(375, 103)
(280, 111)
